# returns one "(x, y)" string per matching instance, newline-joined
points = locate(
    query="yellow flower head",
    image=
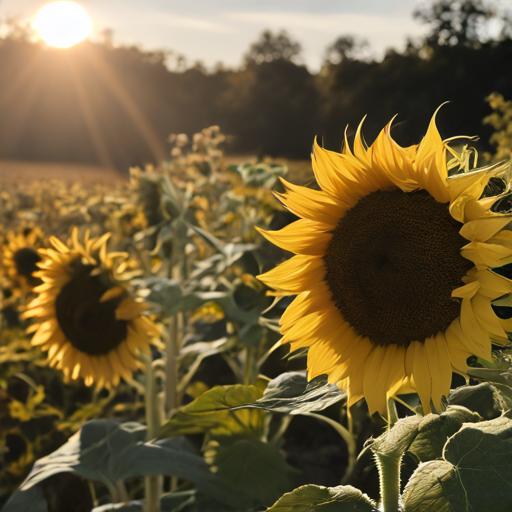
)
(394, 268)
(20, 257)
(84, 316)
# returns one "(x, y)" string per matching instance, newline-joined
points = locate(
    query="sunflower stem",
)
(171, 366)
(352, 449)
(250, 370)
(153, 484)
(389, 479)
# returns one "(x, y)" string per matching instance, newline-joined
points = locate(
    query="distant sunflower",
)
(20, 257)
(85, 319)
(394, 268)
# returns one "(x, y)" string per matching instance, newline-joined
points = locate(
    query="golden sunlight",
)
(63, 24)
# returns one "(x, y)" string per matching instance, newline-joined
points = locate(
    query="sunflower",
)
(84, 316)
(396, 267)
(20, 257)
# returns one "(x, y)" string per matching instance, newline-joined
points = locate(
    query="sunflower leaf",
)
(174, 502)
(31, 499)
(107, 451)
(212, 412)
(256, 468)
(476, 472)
(290, 393)
(309, 498)
(483, 398)
(434, 430)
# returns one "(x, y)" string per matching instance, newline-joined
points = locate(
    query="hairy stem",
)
(389, 478)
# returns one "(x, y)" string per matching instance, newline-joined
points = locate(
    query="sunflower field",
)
(209, 337)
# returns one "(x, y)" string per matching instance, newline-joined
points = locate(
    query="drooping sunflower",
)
(395, 267)
(84, 316)
(20, 257)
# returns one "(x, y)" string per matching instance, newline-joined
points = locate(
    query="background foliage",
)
(114, 105)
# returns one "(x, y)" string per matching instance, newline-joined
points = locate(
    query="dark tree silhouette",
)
(273, 46)
(101, 103)
(455, 22)
(346, 47)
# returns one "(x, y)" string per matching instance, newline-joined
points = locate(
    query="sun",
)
(63, 24)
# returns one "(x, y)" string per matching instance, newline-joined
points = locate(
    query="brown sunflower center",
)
(90, 325)
(392, 264)
(26, 260)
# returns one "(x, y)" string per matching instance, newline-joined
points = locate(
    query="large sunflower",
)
(394, 268)
(84, 316)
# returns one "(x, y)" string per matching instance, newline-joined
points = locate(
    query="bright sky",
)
(222, 30)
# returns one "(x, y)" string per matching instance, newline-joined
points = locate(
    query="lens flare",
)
(63, 24)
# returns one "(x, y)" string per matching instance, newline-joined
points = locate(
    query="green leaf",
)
(251, 334)
(476, 473)
(174, 502)
(211, 413)
(483, 398)
(397, 440)
(167, 293)
(31, 499)
(290, 393)
(107, 451)
(434, 430)
(309, 498)
(255, 468)
(424, 491)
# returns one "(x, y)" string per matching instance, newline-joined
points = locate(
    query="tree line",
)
(99, 103)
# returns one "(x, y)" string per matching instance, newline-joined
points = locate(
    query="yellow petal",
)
(483, 229)
(473, 336)
(486, 317)
(421, 374)
(312, 204)
(301, 237)
(440, 368)
(112, 293)
(295, 275)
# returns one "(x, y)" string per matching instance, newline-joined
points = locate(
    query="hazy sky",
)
(222, 30)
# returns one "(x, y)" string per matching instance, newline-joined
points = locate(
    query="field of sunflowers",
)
(218, 338)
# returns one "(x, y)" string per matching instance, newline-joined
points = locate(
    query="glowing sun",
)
(63, 24)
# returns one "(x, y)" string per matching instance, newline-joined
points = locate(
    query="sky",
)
(222, 30)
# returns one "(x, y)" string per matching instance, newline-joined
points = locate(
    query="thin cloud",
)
(175, 20)
(335, 23)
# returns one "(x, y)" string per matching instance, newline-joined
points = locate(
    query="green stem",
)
(121, 490)
(351, 448)
(250, 370)
(171, 366)
(152, 483)
(389, 477)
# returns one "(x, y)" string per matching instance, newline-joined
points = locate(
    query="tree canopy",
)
(102, 103)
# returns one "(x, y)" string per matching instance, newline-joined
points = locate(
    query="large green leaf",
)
(434, 430)
(312, 498)
(397, 440)
(290, 393)
(483, 398)
(254, 467)
(424, 436)
(425, 492)
(30, 500)
(108, 452)
(175, 502)
(476, 473)
(211, 412)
